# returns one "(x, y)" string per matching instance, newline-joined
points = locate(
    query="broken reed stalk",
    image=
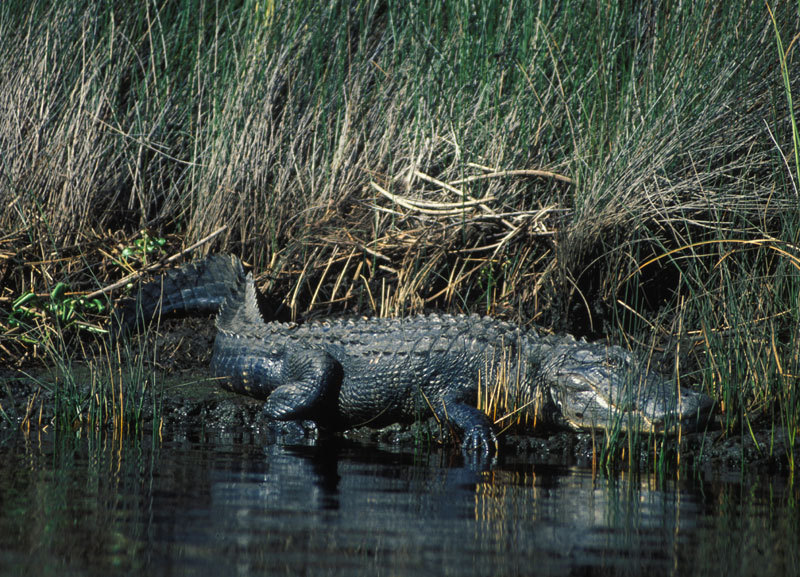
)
(519, 172)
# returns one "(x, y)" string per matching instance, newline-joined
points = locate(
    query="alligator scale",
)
(349, 373)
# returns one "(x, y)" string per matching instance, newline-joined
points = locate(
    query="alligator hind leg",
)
(312, 382)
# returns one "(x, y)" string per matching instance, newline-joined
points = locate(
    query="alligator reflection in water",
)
(234, 505)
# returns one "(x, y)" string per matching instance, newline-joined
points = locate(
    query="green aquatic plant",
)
(32, 314)
(143, 248)
(112, 387)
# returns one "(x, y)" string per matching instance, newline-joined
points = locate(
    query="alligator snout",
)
(607, 388)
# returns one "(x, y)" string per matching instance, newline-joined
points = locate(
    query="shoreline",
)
(190, 400)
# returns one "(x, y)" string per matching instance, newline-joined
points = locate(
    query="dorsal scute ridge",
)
(252, 311)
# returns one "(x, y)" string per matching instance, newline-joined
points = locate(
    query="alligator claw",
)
(480, 440)
(293, 430)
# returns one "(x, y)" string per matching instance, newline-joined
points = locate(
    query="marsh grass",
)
(97, 392)
(527, 160)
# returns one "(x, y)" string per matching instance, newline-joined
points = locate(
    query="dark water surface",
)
(235, 506)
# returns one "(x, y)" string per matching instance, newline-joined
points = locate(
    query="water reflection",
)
(233, 505)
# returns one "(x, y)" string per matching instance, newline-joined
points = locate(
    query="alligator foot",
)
(477, 432)
(293, 431)
(479, 441)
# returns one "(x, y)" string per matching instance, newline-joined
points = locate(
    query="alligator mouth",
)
(654, 405)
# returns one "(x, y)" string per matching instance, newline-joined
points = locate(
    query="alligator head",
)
(607, 387)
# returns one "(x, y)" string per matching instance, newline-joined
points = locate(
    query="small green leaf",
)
(58, 292)
(23, 300)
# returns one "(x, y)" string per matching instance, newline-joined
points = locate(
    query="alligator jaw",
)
(606, 388)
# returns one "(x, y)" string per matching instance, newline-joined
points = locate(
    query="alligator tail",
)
(195, 288)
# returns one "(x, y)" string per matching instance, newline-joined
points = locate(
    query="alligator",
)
(373, 372)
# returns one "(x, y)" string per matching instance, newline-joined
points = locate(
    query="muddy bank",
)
(193, 404)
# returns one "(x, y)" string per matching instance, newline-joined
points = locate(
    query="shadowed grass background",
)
(357, 153)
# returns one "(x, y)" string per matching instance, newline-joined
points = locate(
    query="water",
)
(230, 505)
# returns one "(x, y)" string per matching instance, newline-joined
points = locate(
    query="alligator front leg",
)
(312, 379)
(477, 432)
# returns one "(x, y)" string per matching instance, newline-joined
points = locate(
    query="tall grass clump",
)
(614, 170)
(107, 389)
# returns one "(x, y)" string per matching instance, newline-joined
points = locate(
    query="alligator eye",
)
(616, 362)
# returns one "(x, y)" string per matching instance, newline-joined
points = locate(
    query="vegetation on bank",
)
(627, 171)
